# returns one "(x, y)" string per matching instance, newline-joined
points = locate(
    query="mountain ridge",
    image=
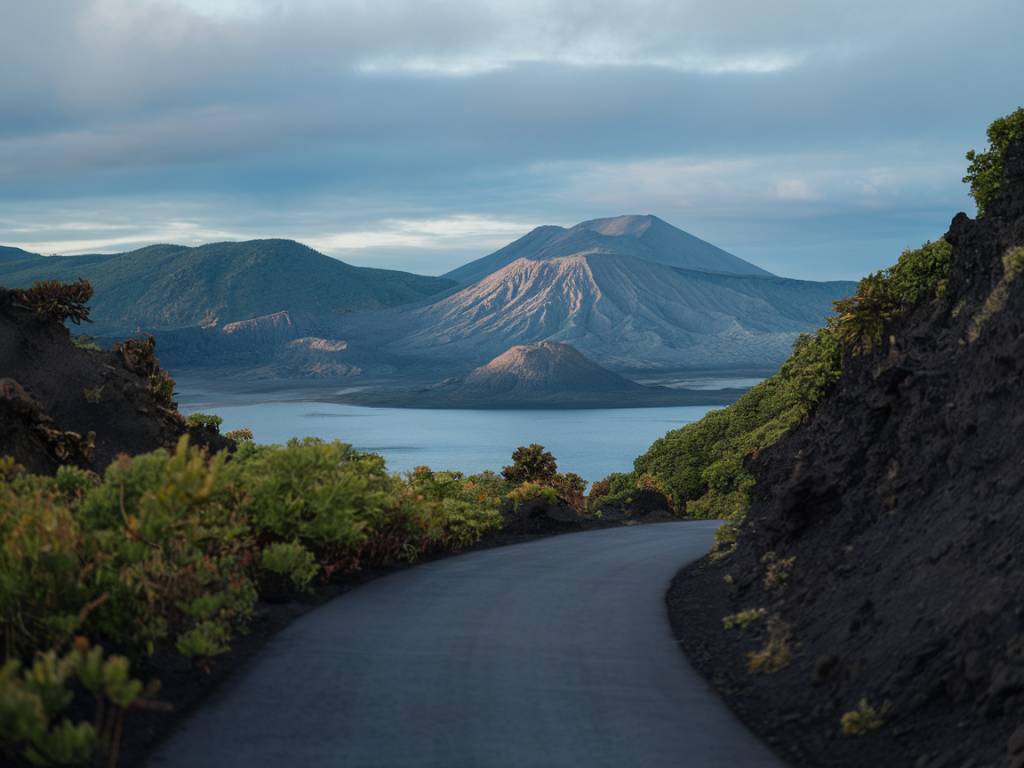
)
(641, 236)
(172, 286)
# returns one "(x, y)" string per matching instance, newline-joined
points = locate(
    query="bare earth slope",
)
(622, 312)
(900, 503)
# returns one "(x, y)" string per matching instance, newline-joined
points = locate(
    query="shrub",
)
(337, 501)
(919, 275)
(207, 421)
(239, 435)
(864, 719)
(531, 464)
(570, 487)
(985, 171)
(139, 356)
(172, 550)
(528, 492)
(701, 466)
(776, 653)
(291, 560)
(743, 619)
(777, 570)
(88, 343)
(61, 301)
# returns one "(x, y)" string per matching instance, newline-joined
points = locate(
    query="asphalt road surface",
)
(557, 652)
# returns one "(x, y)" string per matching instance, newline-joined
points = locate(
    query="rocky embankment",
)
(68, 403)
(875, 590)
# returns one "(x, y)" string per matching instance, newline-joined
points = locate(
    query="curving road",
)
(553, 653)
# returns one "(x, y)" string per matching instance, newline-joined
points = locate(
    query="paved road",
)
(553, 653)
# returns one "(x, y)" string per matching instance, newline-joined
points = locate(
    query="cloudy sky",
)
(813, 137)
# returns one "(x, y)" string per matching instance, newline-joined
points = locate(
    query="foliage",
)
(777, 570)
(864, 719)
(919, 275)
(531, 464)
(701, 466)
(206, 421)
(570, 487)
(985, 171)
(240, 434)
(86, 342)
(995, 302)
(167, 550)
(743, 619)
(139, 356)
(528, 492)
(776, 653)
(34, 700)
(60, 301)
(292, 560)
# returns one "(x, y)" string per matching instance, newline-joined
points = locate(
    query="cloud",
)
(416, 135)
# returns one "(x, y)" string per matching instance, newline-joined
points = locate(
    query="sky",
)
(814, 138)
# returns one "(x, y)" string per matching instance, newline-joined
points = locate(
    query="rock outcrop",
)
(884, 541)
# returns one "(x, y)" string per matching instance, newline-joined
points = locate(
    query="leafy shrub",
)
(529, 492)
(919, 275)
(531, 464)
(61, 301)
(240, 434)
(83, 341)
(139, 356)
(701, 465)
(328, 496)
(864, 719)
(291, 560)
(985, 171)
(172, 549)
(33, 698)
(743, 619)
(570, 487)
(206, 421)
(776, 653)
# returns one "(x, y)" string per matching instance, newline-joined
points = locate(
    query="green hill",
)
(169, 286)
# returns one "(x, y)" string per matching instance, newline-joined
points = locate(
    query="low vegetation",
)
(864, 719)
(701, 468)
(60, 301)
(985, 172)
(170, 551)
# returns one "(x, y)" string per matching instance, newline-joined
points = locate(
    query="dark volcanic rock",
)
(540, 516)
(900, 503)
(63, 404)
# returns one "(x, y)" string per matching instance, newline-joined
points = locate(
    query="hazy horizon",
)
(392, 136)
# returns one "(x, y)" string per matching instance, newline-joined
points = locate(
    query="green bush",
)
(291, 560)
(60, 301)
(207, 421)
(528, 492)
(701, 466)
(531, 464)
(985, 172)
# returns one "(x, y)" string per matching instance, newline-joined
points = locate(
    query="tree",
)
(531, 464)
(985, 173)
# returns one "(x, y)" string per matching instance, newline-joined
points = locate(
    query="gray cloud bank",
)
(816, 138)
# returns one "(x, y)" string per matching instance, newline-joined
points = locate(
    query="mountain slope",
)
(543, 369)
(643, 237)
(166, 286)
(623, 312)
(883, 539)
(8, 254)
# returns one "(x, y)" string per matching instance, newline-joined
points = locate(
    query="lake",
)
(591, 443)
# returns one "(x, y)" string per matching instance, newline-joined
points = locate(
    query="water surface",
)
(591, 443)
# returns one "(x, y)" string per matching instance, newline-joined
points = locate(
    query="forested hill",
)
(167, 286)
